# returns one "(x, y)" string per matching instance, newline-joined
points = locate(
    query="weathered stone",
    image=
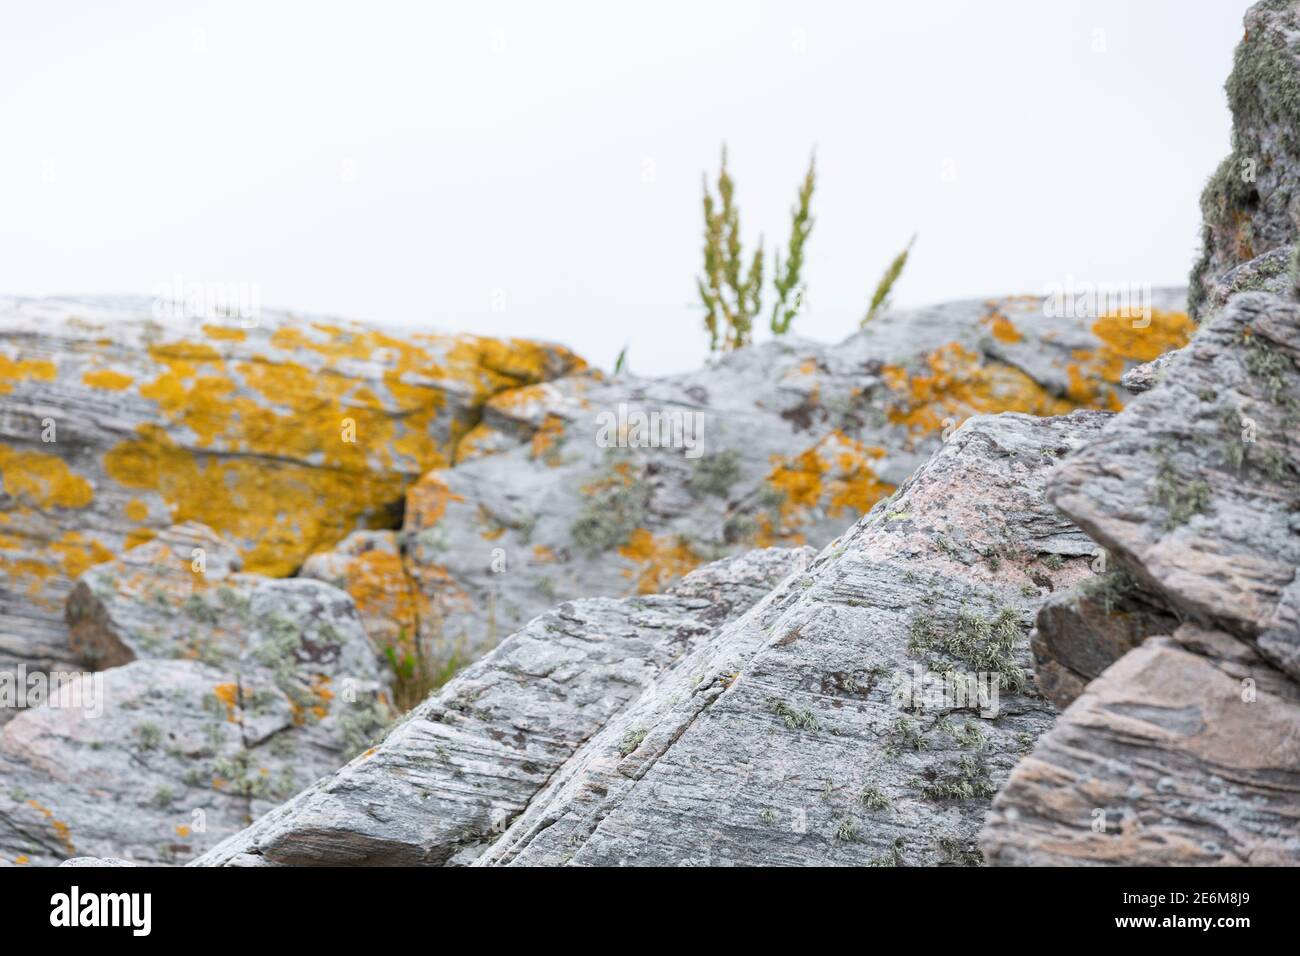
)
(283, 437)
(1248, 206)
(1195, 487)
(227, 693)
(632, 731)
(1185, 752)
(1082, 631)
(796, 441)
(445, 781)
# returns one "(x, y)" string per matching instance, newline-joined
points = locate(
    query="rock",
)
(1186, 752)
(1247, 206)
(226, 693)
(445, 781)
(96, 861)
(795, 730)
(1144, 377)
(1183, 749)
(283, 436)
(1082, 631)
(782, 444)
(368, 565)
(1194, 487)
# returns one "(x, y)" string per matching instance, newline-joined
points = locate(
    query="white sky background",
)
(400, 162)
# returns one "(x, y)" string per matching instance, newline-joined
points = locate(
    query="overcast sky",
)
(534, 169)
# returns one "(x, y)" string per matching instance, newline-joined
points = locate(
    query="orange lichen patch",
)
(1126, 337)
(427, 500)
(379, 585)
(321, 694)
(479, 442)
(544, 555)
(21, 860)
(182, 831)
(108, 379)
(834, 476)
(523, 400)
(77, 553)
(228, 694)
(277, 511)
(1002, 328)
(547, 439)
(136, 510)
(955, 384)
(42, 481)
(138, 536)
(23, 370)
(663, 559)
(60, 828)
(225, 333)
(336, 451)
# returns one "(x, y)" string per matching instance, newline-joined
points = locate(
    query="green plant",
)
(415, 675)
(794, 719)
(715, 474)
(631, 740)
(880, 298)
(788, 282)
(620, 364)
(874, 799)
(1181, 497)
(730, 300)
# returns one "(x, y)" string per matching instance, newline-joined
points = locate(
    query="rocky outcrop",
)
(565, 489)
(862, 711)
(223, 694)
(282, 434)
(447, 779)
(1183, 749)
(1249, 205)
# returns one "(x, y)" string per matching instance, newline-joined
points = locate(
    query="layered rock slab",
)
(789, 734)
(445, 782)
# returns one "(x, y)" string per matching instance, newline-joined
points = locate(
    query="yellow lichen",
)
(108, 379)
(662, 559)
(228, 694)
(42, 481)
(955, 384)
(23, 370)
(546, 439)
(833, 477)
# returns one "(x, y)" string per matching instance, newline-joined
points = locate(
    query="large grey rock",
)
(1182, 750)
(1249, 205)
(282, 434)
(680, 730)
(796, 441)
(227, 693)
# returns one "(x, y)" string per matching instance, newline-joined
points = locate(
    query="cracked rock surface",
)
(794, 727)
(1183, 749)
